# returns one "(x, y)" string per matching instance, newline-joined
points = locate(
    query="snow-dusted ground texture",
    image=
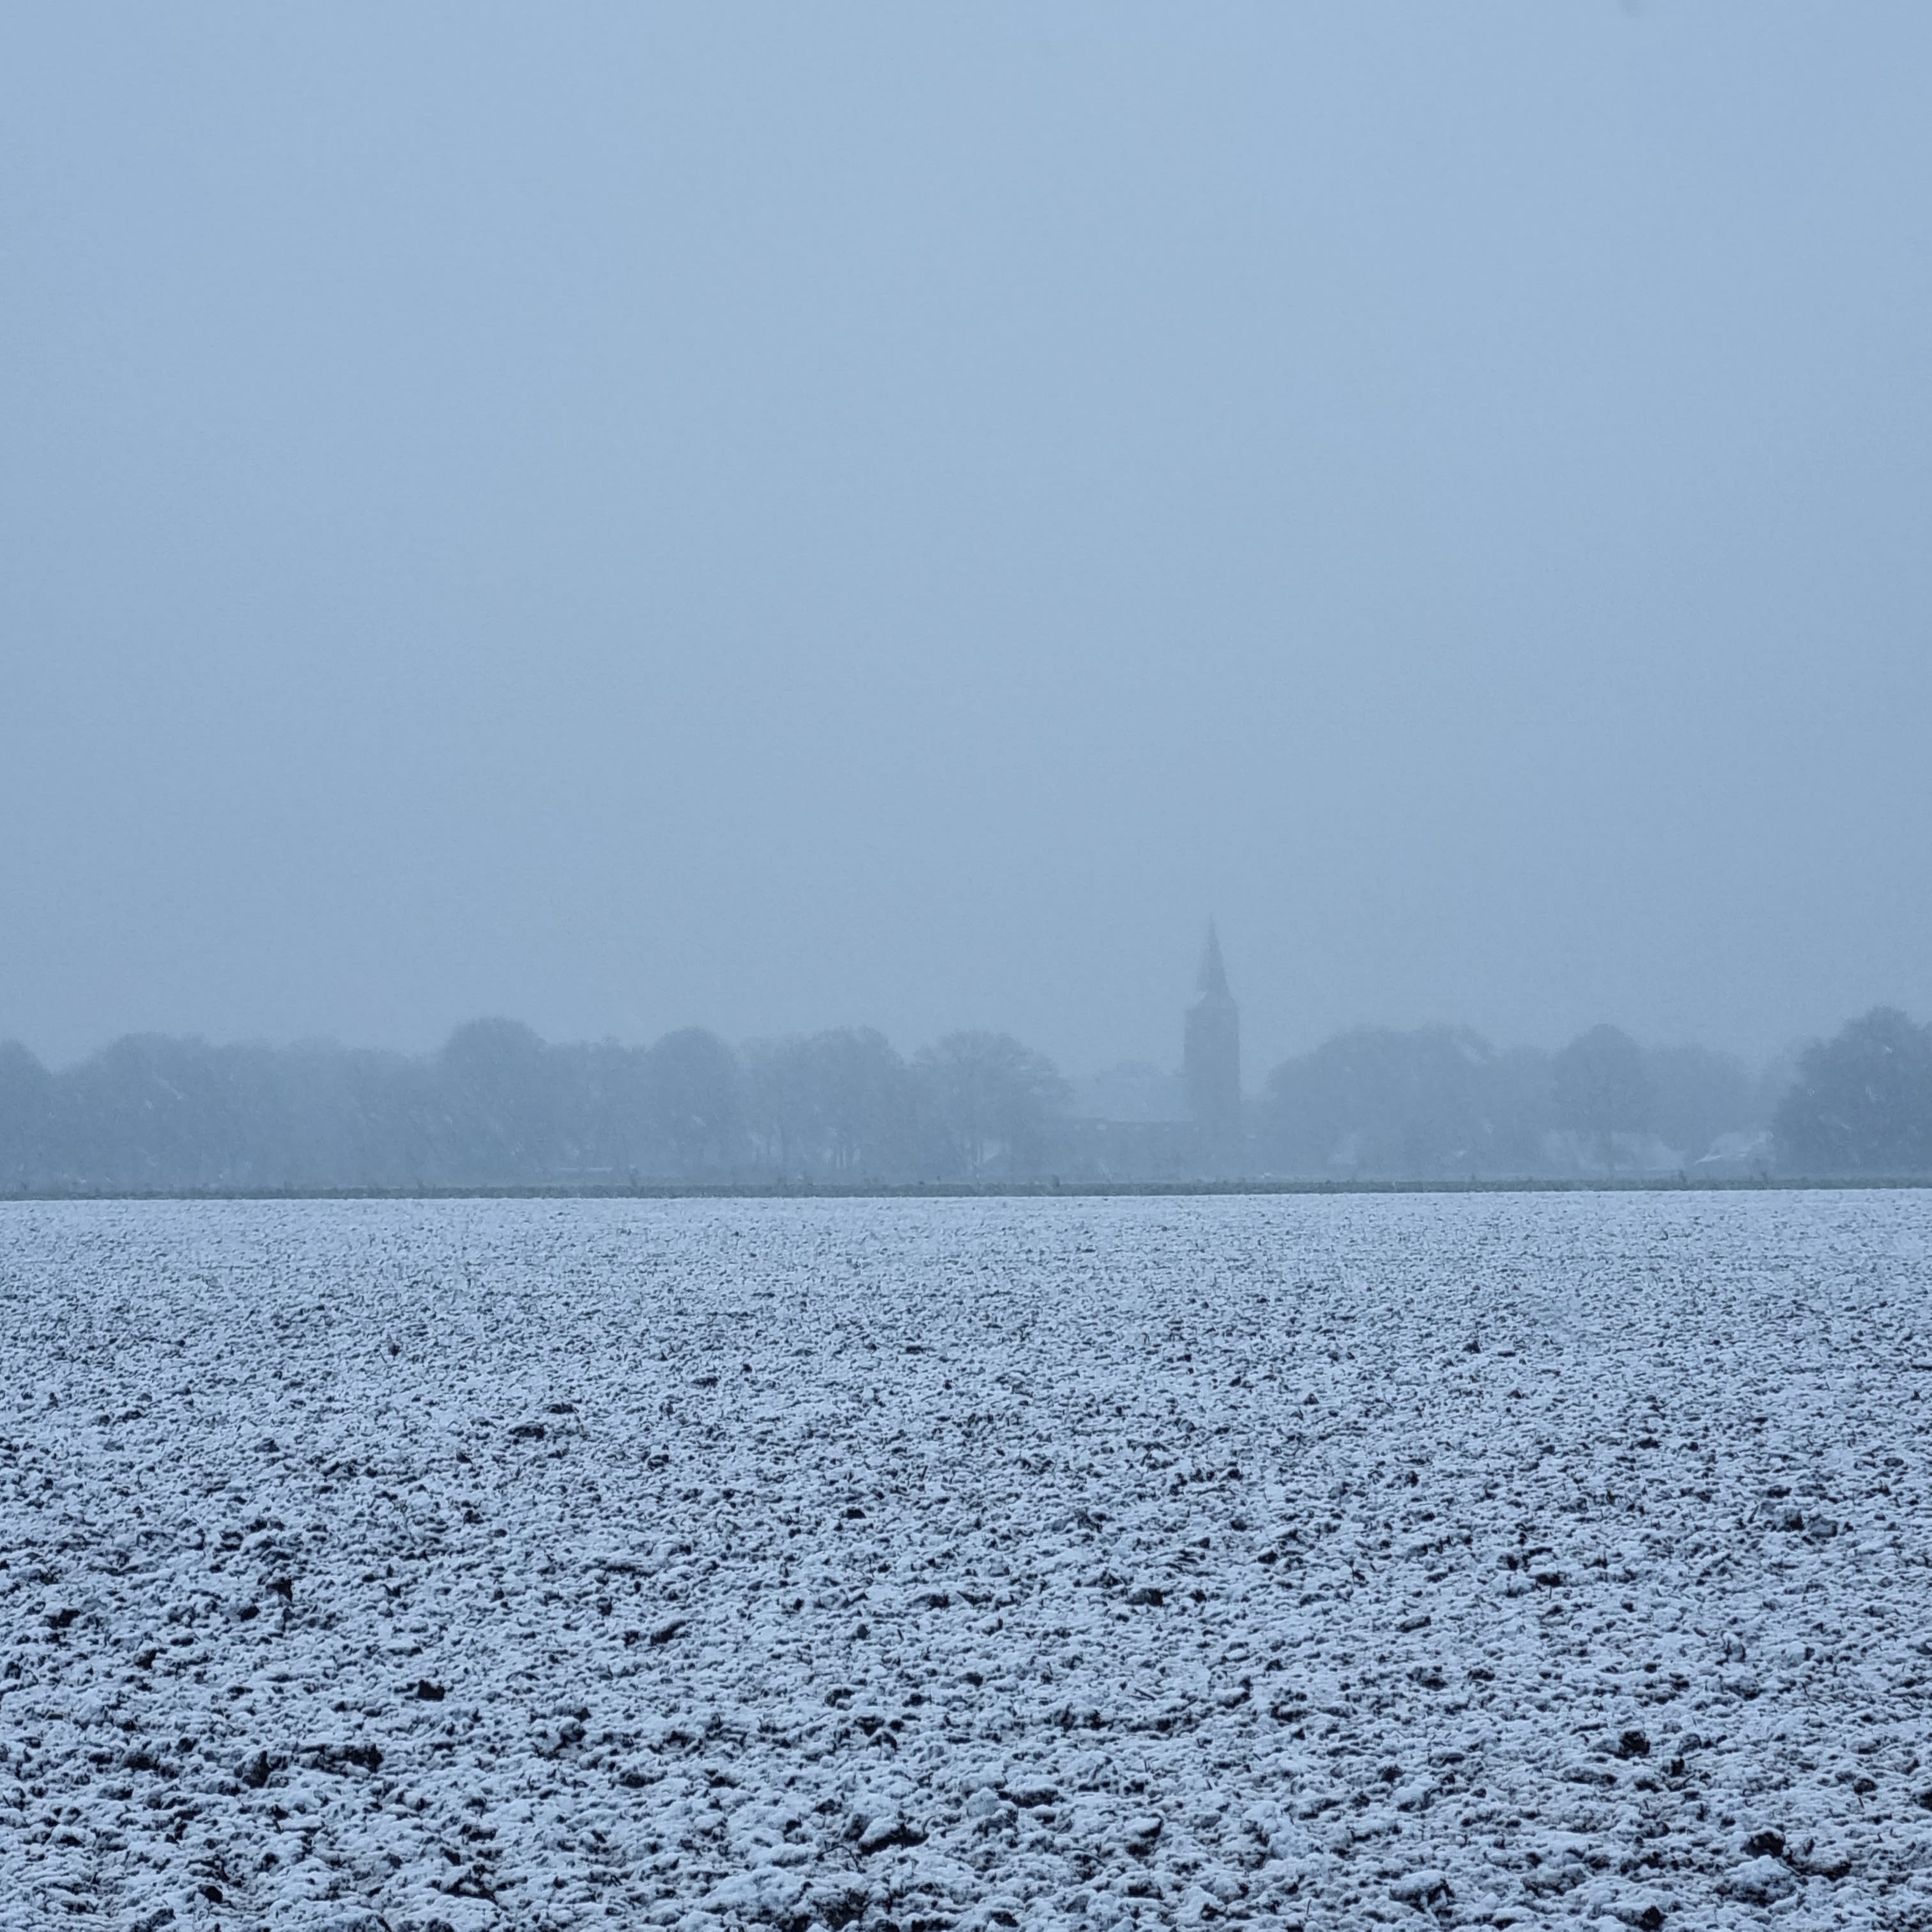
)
(1326, 1561)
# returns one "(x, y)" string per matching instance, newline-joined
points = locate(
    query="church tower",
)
(1211, 1060)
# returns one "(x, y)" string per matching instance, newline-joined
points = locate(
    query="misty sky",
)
(782, 517)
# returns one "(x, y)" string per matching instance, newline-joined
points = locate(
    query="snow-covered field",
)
(1319, 1561)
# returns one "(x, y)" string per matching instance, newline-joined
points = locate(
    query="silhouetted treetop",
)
(1599, 1086)
(1862, 1101)
(987, 1100)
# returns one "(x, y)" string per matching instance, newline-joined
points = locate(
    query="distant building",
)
(1211, 1065)
(1135, 1122)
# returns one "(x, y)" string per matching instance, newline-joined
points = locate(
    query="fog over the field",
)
(777, 518)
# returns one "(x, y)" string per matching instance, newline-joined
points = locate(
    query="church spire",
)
(1211, 1065)
(1213, 978)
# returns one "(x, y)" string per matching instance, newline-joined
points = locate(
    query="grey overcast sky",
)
(780, 517)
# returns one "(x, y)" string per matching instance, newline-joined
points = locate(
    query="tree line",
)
(497, 1106)
(1440, 1102)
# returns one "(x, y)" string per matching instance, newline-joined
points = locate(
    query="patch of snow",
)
(1305, 1561)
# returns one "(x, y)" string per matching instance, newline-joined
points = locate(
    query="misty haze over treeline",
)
(497, 1106)
(893, 514)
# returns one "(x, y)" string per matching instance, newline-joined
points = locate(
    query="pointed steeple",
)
(1211, 1064)
(1213, 980)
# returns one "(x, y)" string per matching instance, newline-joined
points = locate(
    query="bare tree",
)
(988, 1098)
(1601, 1087)
(1862, 1101)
